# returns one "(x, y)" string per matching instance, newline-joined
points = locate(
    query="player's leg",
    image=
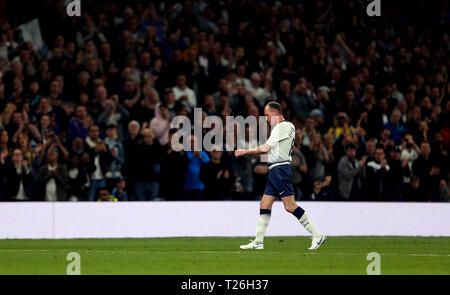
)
(265, 210)
(291, 206)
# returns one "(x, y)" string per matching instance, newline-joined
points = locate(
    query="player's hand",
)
(239, 153)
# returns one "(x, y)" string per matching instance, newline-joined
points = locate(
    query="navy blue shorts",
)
(279, 181)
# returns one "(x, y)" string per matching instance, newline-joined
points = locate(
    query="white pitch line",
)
(218, 252)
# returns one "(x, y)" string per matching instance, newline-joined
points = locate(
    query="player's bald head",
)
(275, 106)
(274, 113)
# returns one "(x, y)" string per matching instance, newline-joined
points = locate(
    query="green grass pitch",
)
(222, 256)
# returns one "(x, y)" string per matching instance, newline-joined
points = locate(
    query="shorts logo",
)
(281, 193)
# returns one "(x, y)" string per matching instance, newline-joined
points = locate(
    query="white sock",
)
(307, 224)
(263, 222)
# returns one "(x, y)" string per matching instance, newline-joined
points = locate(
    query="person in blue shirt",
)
(193, 186)
(396, 127)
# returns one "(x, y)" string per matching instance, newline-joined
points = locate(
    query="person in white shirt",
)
(256, 90)
(183, 93)
(279, 180)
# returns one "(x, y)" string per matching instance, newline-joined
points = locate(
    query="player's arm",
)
(262, 149)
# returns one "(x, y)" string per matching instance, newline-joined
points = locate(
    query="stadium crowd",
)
(87, 116)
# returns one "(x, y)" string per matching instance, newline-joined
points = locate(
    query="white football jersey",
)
(281, 140)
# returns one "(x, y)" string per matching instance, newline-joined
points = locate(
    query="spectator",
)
(52, 179)
(114, 170)
(17, 173)
(260, 171)
(317, 158)
(119, 192)
(183, 93)
(80, 124)
(148, 174)
(413, 191)
(395, 126)
(427, 170)
(105, 196)
(173, 166)
(131, 156)
(301, 101)
(193, 185)
(114, 114)
(299, 168)
(78, 179)
(99, 158)
(377, 176)
(160, 124)
(351, 173)
(218, 177)
(444, 191)
(399, 170)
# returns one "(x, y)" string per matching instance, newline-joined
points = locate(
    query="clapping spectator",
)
(52, 179)
(351, 173)
(100, 157)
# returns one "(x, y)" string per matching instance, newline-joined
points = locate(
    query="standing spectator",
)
(173, 167)
(399, 169)
(17, 174)
(52, 179)
(317, 157)
(193, 185)
(160, 124)
(78, 179)
(350, 174)
(131, 156)
(377, 175)
(299, 168)
(218, 177)
(410, 152)
(79, 125)
(255, 89)
(114, 170)
(427, 170)
(148, 170)
(100, 158)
